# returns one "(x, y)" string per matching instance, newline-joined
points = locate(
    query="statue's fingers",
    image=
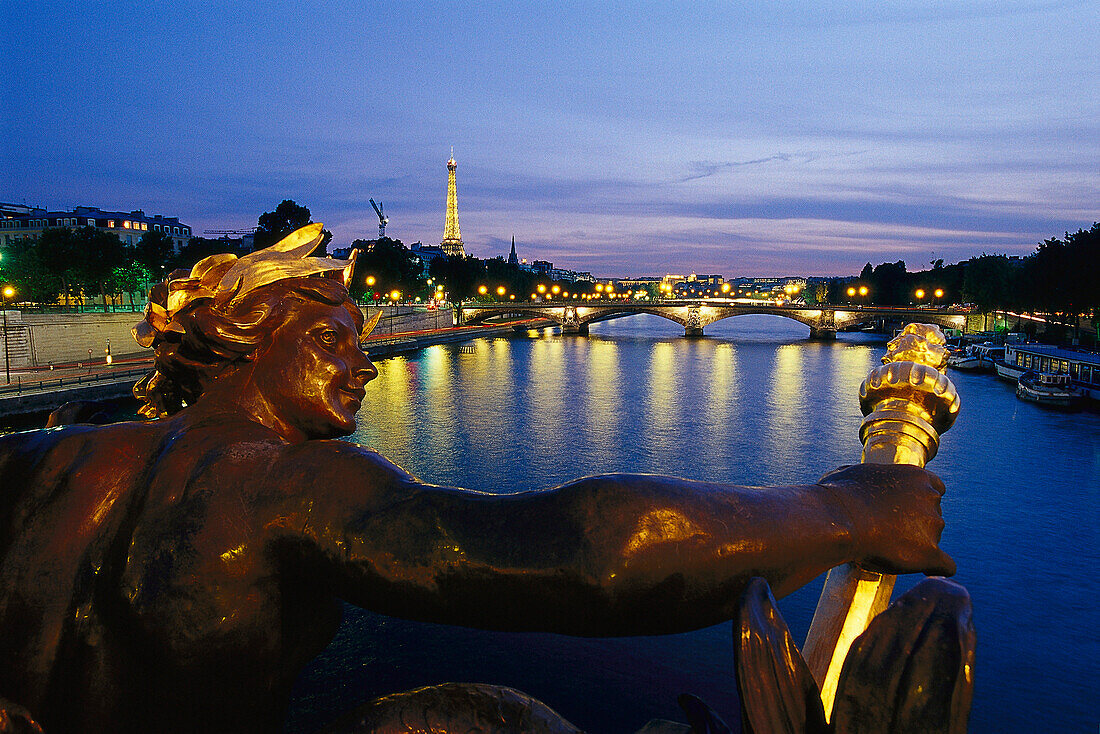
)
(937, 483)
(834, 472)
(942, 565)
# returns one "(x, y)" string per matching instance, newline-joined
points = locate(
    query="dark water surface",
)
(755, 402)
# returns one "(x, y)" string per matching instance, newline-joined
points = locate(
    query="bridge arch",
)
(695, 316)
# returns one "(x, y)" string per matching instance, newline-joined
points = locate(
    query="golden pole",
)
(908, 403)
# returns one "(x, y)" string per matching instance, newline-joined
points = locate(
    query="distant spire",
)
(512, 259)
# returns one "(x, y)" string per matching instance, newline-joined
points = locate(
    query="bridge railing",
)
(58, 383)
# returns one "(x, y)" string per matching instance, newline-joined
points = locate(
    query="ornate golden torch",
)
(908, 403)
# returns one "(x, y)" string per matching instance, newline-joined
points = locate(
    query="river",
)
(755, 402)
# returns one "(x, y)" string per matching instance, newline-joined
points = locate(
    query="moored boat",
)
(1082, 367)
(964, 359)
(1051, 389)
(988, 354)
(1013, 364)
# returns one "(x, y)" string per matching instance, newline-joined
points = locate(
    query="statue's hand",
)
(896, 520)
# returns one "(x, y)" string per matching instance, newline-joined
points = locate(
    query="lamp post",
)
(8, 293)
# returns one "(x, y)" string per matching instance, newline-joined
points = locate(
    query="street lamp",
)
(501, 291)
(936, 295)
(920, 295)
(8, 293)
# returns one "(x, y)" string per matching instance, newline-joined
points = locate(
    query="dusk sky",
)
(626, 139)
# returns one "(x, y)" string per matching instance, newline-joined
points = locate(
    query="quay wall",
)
(37, 340)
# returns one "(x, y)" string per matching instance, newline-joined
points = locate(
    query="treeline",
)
(387, 265)
(69, 265)
(1062, 277)
(72, 265)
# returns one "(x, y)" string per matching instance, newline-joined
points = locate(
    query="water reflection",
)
(785, 430)
(599, 395)
(662, 404)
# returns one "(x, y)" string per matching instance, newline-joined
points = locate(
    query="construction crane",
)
(382, 219)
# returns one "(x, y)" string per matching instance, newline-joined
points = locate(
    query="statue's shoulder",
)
(44, 441)
(70, 444)
(340, 471)
(341, 456)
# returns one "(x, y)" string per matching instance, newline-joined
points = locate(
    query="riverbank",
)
(38, 391)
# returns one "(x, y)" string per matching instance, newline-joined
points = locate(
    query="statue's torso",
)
(146, 576)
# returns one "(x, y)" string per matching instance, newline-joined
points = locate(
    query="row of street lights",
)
(607, 290)
(919, 294)
(936, 294)
(395, 294)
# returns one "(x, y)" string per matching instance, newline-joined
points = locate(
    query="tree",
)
(889, 284)
(273, 226)
(130, 278)
(23, 268)
(154, 250)
(460, 275)
(1084, 252)
(60, 257)
(988, 282)
(100, 254)
(196, 249)
(392, 265)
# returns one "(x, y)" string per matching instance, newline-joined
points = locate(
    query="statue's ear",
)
(778, 692)
(912, 670)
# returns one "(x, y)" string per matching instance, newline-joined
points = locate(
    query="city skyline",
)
(785, 139)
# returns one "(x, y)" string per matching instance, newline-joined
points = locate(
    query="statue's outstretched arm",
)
(605, 555)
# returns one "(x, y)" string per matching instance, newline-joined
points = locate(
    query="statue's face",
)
(313, 371)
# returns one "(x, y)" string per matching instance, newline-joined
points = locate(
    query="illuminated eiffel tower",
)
(452, 236)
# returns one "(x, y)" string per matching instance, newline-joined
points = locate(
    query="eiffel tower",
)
(452, 237)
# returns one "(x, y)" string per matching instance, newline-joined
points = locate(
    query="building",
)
(452, 236)
(427, 253)
(23, 223)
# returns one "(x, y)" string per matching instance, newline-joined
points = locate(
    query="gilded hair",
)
(208, 338)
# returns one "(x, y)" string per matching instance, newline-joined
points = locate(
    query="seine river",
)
(755, 402)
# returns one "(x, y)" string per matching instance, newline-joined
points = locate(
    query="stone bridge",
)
(695, 315)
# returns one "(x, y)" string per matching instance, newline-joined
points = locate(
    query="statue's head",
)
(280, 323)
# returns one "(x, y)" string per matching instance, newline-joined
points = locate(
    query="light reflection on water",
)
(753, 403)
